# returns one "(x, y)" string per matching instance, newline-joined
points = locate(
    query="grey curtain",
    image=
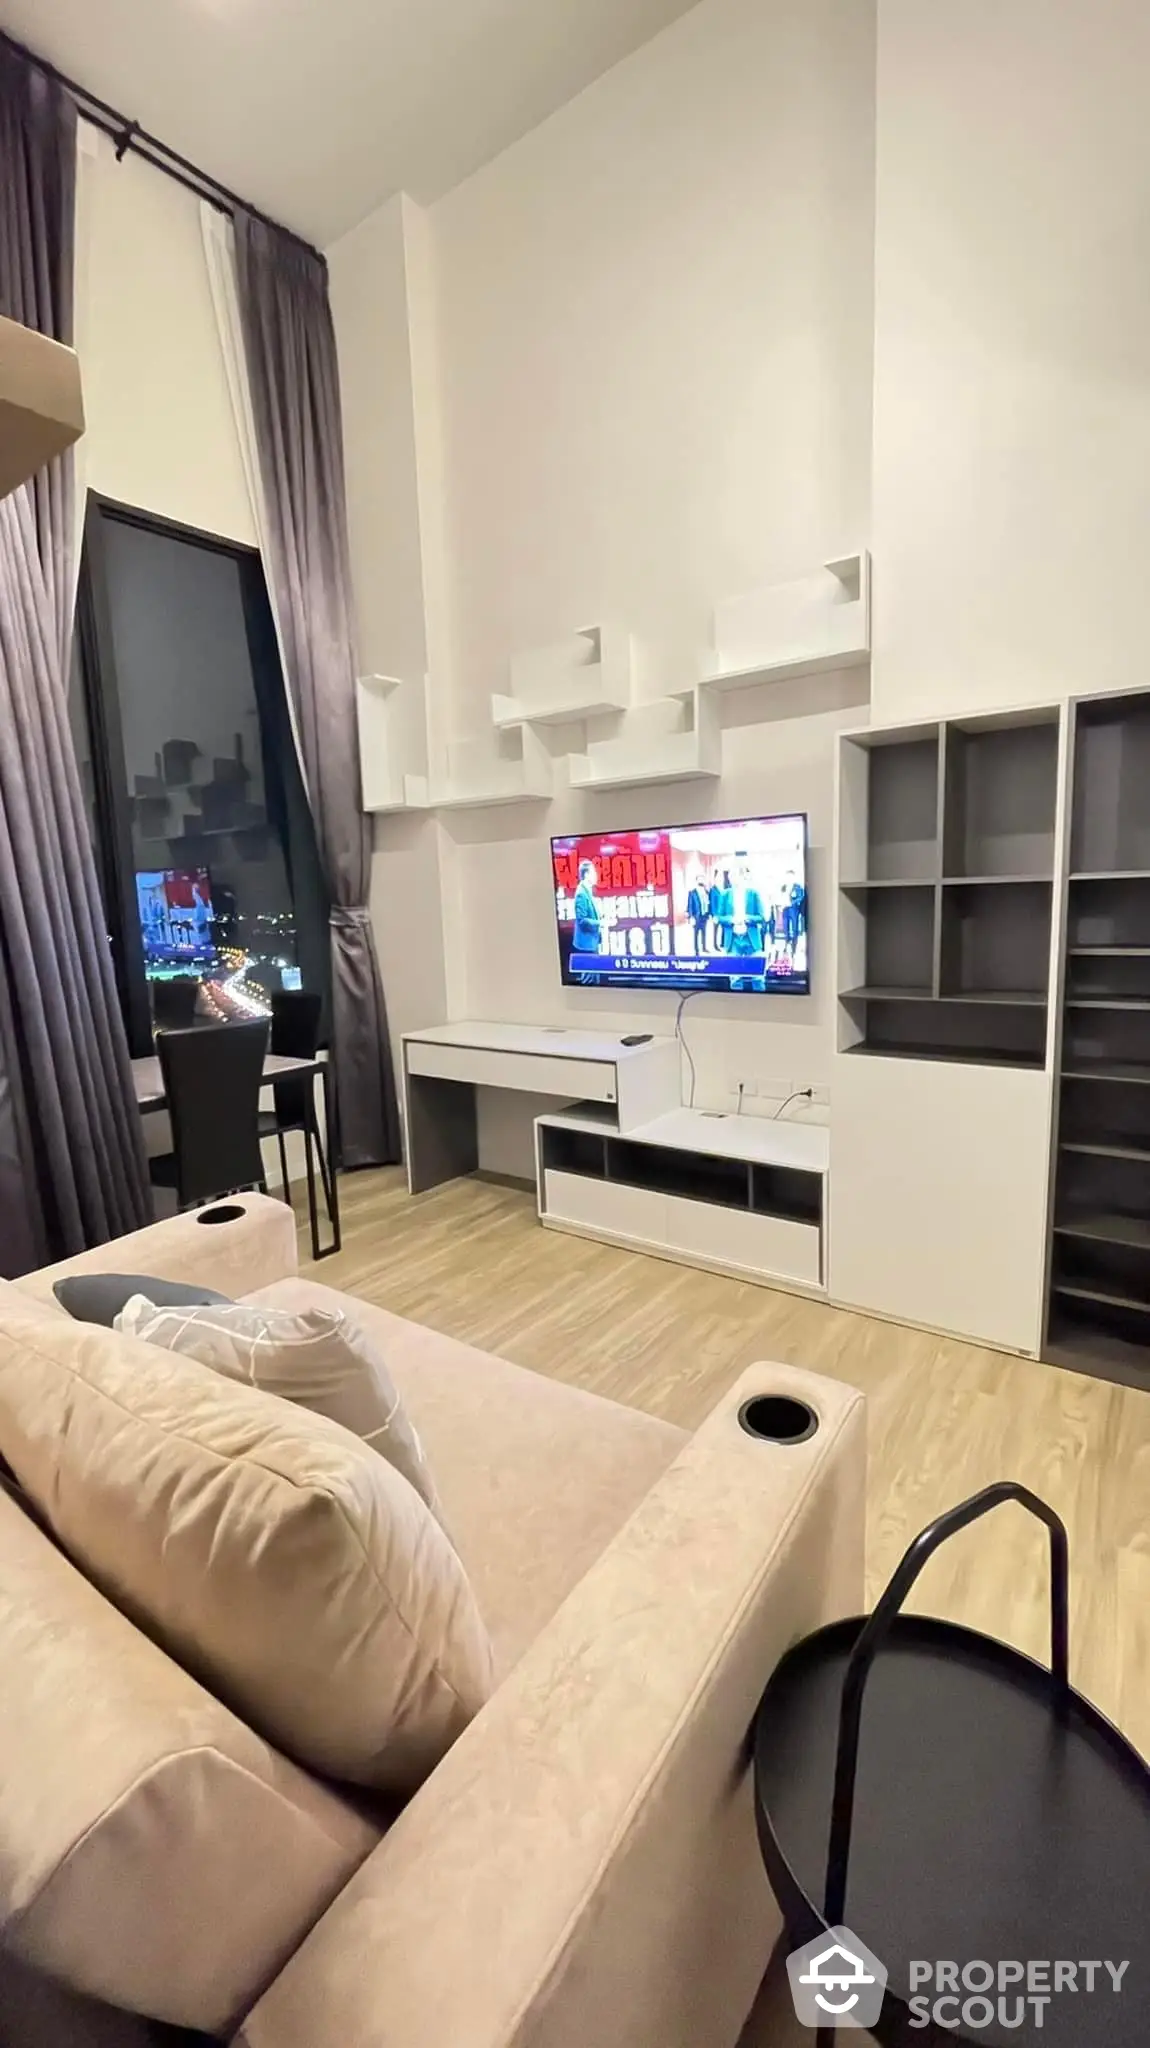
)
(72, 1166)
(289, 343)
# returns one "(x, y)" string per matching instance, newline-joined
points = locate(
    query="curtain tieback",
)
(349, 917)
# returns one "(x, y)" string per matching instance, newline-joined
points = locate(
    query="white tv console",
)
(744, 1196)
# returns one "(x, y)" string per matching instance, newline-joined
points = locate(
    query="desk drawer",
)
(531, 1073)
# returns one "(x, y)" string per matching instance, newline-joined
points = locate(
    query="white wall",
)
(1012, 394)
(654, 332)
(160, 432)
(656, 317)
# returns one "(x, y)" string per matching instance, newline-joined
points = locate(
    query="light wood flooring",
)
(945, 1417)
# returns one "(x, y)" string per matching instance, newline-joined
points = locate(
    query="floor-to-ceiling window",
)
(203, 836)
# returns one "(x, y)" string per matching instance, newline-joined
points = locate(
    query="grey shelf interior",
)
(996, 937)
(958, 903)
(1001, 800)
(900, 939)
(902, 811)
(1110, 818)
(1099, 1261)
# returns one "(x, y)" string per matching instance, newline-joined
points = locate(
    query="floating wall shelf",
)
(673, 739)
(801, 628)
(387, 714)
(476, 774)
(583, 677)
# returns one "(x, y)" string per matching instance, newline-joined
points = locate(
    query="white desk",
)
(444, 1065)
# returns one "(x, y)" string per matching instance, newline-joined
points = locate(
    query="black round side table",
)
(949, 1800)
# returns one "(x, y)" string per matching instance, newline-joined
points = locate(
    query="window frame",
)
(113, 842)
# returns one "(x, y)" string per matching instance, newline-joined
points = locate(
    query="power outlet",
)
(821, 1095)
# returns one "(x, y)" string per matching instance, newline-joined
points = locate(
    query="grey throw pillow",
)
(99, 1297)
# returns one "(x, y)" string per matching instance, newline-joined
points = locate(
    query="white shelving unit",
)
(743, 1196)
(950, 837)
(393, 766)
(673, 739)
(587, 676)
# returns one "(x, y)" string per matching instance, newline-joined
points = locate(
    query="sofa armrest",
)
(252, 1251)
(583, 1866)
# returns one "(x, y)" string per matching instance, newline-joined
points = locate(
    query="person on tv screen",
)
(715, 905)
(794, 904)
(721, 898)
(698, 912)
(744, 917)
(588, 931)
(201, 918)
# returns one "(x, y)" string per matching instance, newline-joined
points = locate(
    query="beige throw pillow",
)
(284, 1564)
(316, 1357)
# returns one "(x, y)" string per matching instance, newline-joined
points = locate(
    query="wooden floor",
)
(945, 1417)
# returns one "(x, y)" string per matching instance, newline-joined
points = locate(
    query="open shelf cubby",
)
(897, 787)
(1099, 1257)
(1110, 814)
(996, 939)
(1001, 800)
(947, 874)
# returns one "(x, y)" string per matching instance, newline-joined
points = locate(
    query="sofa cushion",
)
(139, 1819)
(281, 1561)
(536, 1476)
(318, 1357)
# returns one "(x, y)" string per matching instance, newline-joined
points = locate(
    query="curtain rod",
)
(128, 135)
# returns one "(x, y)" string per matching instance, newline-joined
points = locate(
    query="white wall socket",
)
(821, 1095)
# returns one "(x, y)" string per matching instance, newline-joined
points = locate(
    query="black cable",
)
(683, 1001)
(800, 1095)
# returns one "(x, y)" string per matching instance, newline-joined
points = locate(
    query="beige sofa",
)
(581, 1870)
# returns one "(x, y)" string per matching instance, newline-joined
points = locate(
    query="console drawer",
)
(530, 1072)
(763, 1245)
(605, 1205)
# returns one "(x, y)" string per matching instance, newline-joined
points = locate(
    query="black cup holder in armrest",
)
(777, 1419)
(223, 1212)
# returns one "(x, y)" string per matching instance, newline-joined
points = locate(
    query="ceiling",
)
(318, 112)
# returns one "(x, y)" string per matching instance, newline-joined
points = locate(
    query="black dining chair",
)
(212, 1076)
(296, 1017)
(174, 1004)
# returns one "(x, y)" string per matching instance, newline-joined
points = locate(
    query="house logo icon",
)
(836, 1979)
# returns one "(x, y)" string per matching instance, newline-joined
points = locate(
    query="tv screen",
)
(176, 917)
(721, 906)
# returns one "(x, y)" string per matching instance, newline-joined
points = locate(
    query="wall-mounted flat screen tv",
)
(720, 907)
